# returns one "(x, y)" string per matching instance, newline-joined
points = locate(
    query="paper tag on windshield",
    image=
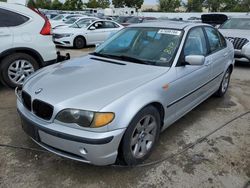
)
(169, 32)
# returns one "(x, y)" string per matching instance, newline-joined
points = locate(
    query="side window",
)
(99, 25)
(195, 43)
(223, 41)
(213, 39)
(109, 25)
(10, 19)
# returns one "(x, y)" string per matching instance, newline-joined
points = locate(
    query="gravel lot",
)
(220, 160)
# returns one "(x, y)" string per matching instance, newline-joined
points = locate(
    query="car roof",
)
(167, 24)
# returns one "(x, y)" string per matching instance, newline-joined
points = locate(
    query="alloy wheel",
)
(143, 136)
(19, 70)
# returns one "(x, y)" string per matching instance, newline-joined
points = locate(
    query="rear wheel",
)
(16, 67)
(79, 42)
(141, 136)
(224, 84)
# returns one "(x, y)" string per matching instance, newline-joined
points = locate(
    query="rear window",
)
(10, 19)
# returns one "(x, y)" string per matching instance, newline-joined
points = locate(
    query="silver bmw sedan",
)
(119, 98)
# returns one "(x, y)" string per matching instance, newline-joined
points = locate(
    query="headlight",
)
(85, 118)
(66, 35)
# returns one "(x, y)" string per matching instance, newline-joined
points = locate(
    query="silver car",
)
(237, 31)
(118, 99)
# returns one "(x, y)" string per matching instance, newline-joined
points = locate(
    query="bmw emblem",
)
(38, 91)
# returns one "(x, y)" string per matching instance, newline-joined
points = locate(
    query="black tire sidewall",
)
(6, 62)
(82, 40)
(126, 153)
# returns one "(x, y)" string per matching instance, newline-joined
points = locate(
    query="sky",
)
(150, 2)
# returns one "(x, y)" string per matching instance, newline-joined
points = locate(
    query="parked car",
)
(237, 30)
(87, 31)
(138, 19)
(67, 22)
(123, 19)
(214, 19)
(116, 101)
(59, 19)
(26, 43)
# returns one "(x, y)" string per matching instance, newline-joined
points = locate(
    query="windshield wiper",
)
(122, 57)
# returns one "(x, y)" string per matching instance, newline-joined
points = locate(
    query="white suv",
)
(25, 43)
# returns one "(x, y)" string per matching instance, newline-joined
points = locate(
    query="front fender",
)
(126, 107)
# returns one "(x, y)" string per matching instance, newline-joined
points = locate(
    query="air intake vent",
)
(42, 109)
(238, 42)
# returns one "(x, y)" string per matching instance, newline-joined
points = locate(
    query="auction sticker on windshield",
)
(169, 32)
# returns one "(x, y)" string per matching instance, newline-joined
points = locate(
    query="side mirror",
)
(195, 59)
(92, 28)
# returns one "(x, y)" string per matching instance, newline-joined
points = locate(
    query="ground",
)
(220, 160)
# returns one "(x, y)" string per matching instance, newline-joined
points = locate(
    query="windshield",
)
(237, 23)
(70, 20)
(58, 17)
(154, 46)
(84, 23)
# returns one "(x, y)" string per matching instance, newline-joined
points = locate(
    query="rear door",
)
(218, 53)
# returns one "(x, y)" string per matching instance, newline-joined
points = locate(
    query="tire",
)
(224, 84)
(138, 137)
(16, 67)
(79, 42)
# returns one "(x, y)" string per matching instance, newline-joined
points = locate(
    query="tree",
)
(103, 3)
(194, 5)
(44, 4)
(56, 5)
(118, 3)
(98, 4)
(168, 5)
(213, 5)
(129, 3)
(133, 3)
(92, 4)
(73, 5)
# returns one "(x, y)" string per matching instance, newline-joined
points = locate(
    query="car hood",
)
(235, 33)
(89, 82)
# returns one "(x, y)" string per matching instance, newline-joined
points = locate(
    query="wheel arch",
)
(81, 36)
(33, 53)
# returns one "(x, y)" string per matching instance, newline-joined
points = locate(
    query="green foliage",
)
(56, 5)
(98, 4)
(3, 0)
(118, 3)
(168, 5)
(45, 4)
(194, 5)
(73, 5)
(129, 3)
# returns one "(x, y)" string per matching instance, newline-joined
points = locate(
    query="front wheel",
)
(141, 136)
(224, 84)
(79, 42)
(16, 67)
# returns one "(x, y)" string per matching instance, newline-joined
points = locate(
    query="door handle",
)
(225, 54)
(3, 34)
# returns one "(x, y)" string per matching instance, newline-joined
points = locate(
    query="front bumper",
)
(64, 41)
(77, 144)
(242, 55)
